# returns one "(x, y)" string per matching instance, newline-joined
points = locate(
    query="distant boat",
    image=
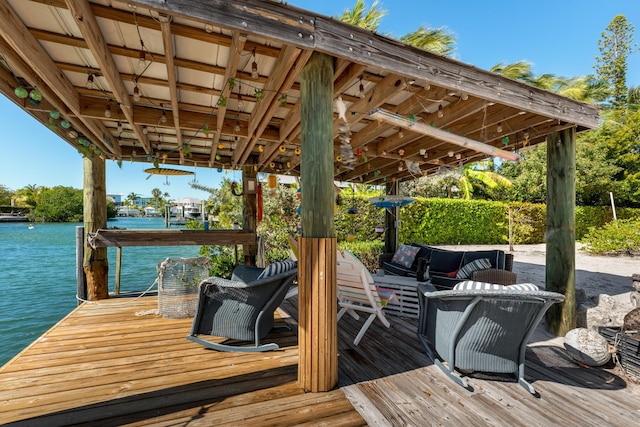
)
(13, 217)
(31, 227)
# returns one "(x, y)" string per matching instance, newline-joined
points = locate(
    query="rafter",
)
(86, 21)
(169, 54)
(30, 55)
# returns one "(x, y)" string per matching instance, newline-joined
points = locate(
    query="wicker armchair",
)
(481, 330)
(241, 308)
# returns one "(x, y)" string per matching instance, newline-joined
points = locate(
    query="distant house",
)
(151, 211)
(128, 211)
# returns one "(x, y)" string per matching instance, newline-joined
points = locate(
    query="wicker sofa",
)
(444, 266)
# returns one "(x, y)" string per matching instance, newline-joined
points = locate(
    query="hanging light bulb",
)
(145, 130)
(401, 152)
(90, 83)
(361, 89)
(136, 94)
(237, 128)
(107, 111)
(450, 153)
(499, 127)
(142, 58)
(254, 66)
(400, 134)
(119, 127)
(163, 117)
(423, 151)
(440, 111)
(458, 156)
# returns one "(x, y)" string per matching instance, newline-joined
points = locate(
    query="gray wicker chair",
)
(481, 330)
(240, 309)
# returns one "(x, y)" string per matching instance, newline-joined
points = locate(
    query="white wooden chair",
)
(358, 292)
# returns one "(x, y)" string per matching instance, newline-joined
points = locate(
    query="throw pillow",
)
(523, 287)
(453, 274)
(405, 255)
(277, 268)
(475, 265)
(469, 285)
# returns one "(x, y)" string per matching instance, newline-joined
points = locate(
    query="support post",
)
(390, 224)
(81, 284)
(249, 213)
(317, 298)
(561, 226)
(95, 263)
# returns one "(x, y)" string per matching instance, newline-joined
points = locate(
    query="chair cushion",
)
(469, 285)
(277, 268)
(475, 265)
(523, 287)
(405, 255)
(445, 261)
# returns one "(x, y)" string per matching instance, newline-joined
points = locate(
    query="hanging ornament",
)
(379, 230)
(65, 124)
(54, 114)
(21, 92)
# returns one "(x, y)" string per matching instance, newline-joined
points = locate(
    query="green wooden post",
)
(249, 212)
(95, 264)
(317, 299)
(390, 221)
(561, 229)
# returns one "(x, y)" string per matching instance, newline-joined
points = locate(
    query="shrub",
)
(367, 252)
(616, 238)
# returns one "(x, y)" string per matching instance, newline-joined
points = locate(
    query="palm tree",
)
(480, 174)
(359, 16)
(520, 70)
(131, 198)
(436, 40)
(156, 194)
(29, 195)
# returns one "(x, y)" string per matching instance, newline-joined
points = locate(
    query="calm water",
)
(38, 275)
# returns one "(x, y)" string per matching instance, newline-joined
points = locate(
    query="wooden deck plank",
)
(105, 365)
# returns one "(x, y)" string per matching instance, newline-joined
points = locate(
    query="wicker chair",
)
(241, 308)
(481, 330)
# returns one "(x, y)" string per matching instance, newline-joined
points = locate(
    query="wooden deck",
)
(112, 364)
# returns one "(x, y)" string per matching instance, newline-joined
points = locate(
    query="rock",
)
(587, 347)
(604, 310)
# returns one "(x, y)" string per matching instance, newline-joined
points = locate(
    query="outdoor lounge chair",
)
(481, 330)
(358, 292)
(242, 308)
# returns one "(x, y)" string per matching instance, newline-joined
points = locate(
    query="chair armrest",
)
(382, 258)
(495, 275)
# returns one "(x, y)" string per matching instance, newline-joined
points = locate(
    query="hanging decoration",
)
(259, 202)
(272, 184)
(347, 157)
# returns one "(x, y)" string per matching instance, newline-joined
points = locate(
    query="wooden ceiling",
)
(213, 83)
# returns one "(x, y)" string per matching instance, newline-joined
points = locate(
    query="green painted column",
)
(317, 298)
(561, 229)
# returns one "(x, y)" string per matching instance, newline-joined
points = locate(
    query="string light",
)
(440, 111)
(458, 156)
(237, 128)
(361, 89)
(142, 57)
(450, 153)
(136, 94)
(107, 111)
(400, 134)
(499, 127)
(145, 130)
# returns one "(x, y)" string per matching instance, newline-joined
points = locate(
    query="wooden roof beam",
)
(169, 55)
(86, 21)
(267, 115)
(28, 54)
(238, 41)
(277, 76)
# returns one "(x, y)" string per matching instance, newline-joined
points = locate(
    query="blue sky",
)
(558, 37)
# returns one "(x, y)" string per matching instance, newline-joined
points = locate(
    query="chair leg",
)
(351, 312)
(448, 371)
(383, 319)
(364, 328)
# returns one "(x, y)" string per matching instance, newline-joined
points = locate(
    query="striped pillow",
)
(523, 287)
(277, 267)
(470, 285)
(475, 265)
